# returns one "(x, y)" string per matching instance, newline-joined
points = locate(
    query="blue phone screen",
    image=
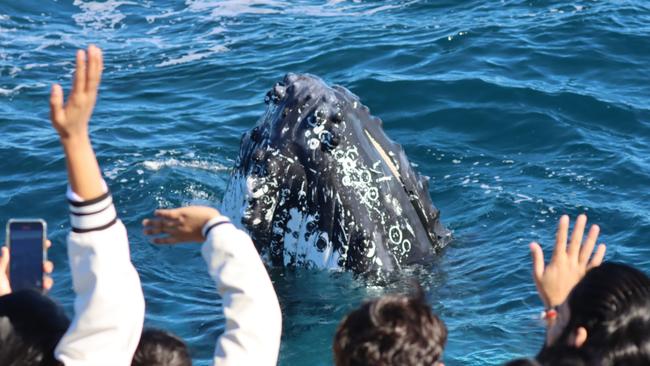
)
(26, 265)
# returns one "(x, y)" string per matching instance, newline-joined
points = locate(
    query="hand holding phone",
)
(23, 264)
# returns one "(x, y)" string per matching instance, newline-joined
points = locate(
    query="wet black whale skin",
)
(318, 153)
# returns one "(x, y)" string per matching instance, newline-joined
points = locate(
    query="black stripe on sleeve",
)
(91, 201)
(92, 213)
(99, 228)
(213, 226)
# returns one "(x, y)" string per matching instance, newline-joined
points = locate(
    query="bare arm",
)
(71, 122)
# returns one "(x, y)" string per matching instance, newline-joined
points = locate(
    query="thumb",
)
(4, 260)
(537, 254)
(57, 114)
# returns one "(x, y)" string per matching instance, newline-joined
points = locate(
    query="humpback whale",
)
(318, 184)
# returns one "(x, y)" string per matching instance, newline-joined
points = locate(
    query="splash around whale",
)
(318, 184)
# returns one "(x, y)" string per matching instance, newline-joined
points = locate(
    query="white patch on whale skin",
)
(313, 144)
(397, 206)
(357, 176)
(303, 248)
(372, 250)
(235, 200)
(406, 247)
(256, 187)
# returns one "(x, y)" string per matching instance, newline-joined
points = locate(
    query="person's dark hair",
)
(31, 325)
(612, 302)
(522, 362)
(161, 348)
(564, 357)
(391, 330)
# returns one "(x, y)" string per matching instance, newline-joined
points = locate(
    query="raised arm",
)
(109, 304)
(71, 122)
(253, 317)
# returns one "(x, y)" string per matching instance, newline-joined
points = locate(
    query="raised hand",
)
(179, 225)
(71, 122)
(72, 119)
(569, 263)
(5, 285)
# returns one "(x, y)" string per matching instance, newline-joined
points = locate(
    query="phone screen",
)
(26, 263)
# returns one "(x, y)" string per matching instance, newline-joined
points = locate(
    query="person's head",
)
(391, 330)
(31, 325)
(522, 362)
(605, 318)
(564, 357)
(160, 348)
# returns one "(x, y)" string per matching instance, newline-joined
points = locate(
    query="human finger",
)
(161, 223)
(48, 282)
(598, 258)
(48, 244)
(57, 114)
(590, 243)
(154, 231)
(4, 260)
(79, 84)
(95, 65)
(537, 255)
(561, 237)
(576, 236)
(167, 213)
(48, 267)
(149, 222)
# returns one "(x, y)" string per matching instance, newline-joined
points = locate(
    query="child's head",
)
(31, 325)
(161, 348)
(391, 330)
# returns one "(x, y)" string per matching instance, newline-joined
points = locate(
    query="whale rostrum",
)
(319, 184)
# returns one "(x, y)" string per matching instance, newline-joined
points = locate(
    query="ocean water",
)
(519, 111)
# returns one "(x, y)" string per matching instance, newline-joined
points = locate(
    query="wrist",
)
(215, 221)
(74, 139)
(550, 313)
(554, 302)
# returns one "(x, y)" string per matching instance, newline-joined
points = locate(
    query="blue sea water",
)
(519, 111)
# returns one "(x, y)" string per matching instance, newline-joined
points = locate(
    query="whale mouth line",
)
(413, 199)
(384, 156)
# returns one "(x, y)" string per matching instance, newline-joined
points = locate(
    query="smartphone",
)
(26, 241)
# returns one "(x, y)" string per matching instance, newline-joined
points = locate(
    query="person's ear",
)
(580, 337)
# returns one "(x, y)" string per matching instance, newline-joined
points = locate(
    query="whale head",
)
(319, 184)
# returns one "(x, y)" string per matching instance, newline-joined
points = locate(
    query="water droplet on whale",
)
(259, 155)
(276, 94)
(337, 117)
(279, 91)
(256, 134)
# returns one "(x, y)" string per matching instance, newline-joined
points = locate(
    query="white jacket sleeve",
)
(109, 304)
(250, 306)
